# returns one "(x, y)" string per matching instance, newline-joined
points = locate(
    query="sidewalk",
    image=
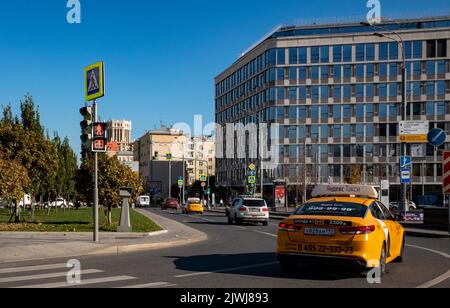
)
(20, 246)
(412, 229)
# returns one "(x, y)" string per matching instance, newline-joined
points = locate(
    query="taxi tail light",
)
(266, 209)
(357, 230)
(289, 227)
(242, 209)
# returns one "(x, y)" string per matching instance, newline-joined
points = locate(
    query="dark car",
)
(171, 203)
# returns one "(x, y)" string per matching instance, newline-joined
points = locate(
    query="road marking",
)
(150, 285)
(265, 233)
(239, 227)
(227, 270)
(443, 254)
(32, 268)
(435, 281)
(83, 283)
(44, 276)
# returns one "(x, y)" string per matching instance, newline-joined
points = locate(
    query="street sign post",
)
(414, 131)
(94, 88)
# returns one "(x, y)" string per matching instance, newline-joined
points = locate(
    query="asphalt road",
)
(232, 257)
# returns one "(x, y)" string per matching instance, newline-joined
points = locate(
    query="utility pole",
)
(170, 178)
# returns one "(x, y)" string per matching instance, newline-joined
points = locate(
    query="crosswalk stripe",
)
(84, 282)
(32, 268)
(45, 276)
(150, 285)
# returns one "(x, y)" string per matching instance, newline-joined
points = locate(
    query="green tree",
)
(13, 182)
(112, 175)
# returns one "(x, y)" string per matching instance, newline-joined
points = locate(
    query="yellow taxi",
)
(342, 225)
(193, 205)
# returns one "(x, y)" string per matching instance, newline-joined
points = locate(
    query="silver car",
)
(248, 209)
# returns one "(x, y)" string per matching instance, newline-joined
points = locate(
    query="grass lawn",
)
(73, 221)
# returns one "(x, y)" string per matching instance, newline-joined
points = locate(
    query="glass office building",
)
(336, 92)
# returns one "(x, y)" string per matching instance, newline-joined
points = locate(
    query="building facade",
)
(151, 150)
(336, 92)
(201, 153)
(119, 141)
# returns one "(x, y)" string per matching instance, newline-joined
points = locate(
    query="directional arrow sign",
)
(437, 137)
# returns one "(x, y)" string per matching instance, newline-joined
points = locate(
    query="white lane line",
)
(32, 268)
(84, 282)
(239, 227)
(149, 285)
(44, 276)
(227, 270)
(443, 254)
(435, 281)
(265, 233)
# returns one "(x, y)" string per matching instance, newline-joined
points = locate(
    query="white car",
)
(394, 206)
(60, 203)
(248, 209)
(143, 201)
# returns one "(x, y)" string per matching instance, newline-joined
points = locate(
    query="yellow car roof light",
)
(345, 190)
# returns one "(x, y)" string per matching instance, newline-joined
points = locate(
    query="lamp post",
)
(396, 37)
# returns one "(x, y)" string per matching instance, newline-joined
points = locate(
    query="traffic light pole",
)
(95, 209)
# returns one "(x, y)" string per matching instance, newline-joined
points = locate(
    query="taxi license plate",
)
(320, 231)
(312, 248)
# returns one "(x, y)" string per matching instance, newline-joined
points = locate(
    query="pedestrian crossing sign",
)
(94, 81)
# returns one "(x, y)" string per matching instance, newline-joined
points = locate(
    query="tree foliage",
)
(50, 164)
(13, 180)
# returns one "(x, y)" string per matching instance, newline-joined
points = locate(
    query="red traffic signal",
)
(99, 137)
(99, 130)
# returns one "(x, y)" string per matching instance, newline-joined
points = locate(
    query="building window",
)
(337, 54)
(293, 55)
(360, 52)
(324, 54)
(393, 51)
(347, 53)
(315, 54)
(383, 51)
(303, 55)
(383, 70)
(293, 73)
(281, 56)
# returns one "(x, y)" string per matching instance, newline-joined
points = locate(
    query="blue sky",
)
(161, 57)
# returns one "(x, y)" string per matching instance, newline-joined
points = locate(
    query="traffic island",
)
(28, 246)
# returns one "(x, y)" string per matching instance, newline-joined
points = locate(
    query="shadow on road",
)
(220, 263)
(214, 223)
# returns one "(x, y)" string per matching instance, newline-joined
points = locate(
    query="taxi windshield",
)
(345, 209)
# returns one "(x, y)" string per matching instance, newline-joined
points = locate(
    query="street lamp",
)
(394, 36)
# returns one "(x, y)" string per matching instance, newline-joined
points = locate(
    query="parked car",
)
(27, 200)
(170, 203)
(394, 206)
(60, 203)
(248, 209)
(143, 201)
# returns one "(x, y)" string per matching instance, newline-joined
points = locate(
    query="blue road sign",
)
(405, 175)
(252, 173)
(405, 162)
(437, 137)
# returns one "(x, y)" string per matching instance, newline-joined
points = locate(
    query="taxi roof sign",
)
(94, 81)
(327, 190)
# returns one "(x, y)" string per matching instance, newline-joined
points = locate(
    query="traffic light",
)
(99, 138)
(86, 128)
